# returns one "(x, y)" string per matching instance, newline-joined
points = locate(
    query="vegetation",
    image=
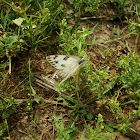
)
(102, 99)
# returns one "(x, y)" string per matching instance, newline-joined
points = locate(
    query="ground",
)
(36, 122)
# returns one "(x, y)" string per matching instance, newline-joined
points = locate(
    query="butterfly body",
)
(66, 65)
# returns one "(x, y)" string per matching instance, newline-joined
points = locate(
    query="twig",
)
(25, 100)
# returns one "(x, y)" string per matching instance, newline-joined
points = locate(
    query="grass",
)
(109, 82)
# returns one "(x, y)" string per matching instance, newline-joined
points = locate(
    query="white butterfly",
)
(66, 65)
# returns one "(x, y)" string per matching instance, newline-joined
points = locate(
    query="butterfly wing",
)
(69, 69)
(67, 65)
(61, 61)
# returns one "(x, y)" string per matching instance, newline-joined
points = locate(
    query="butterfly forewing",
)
(66, 65)
(61, 61)
(68, 69)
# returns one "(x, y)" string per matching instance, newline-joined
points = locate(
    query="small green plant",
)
(5, 17)
(32, 91)
(73, 44)
(135, 27)
(3, 128)
(33, 121)
(7, 108)
(64, 133)
(123, 6)
(130, 76)
(115, 107)
(71, 131)
(130, 71)
(98, 133)
(78, 109)
(88, 6)
(100, 82)
(124, 121)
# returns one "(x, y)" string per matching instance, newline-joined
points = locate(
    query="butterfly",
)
(66, 65)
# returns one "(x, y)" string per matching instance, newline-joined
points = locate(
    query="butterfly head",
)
(81, 61)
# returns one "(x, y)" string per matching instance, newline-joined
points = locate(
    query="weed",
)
(4, 19)
(73, 44)
(33, 121)
(98, 132)
(63, 133)
(88, 6)
(135, 27)
(7, 108)
(123, 6)
(71, 131)
(3, 128)
(130, 69)
(32, 91)
(100, 82)
(124, 121)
